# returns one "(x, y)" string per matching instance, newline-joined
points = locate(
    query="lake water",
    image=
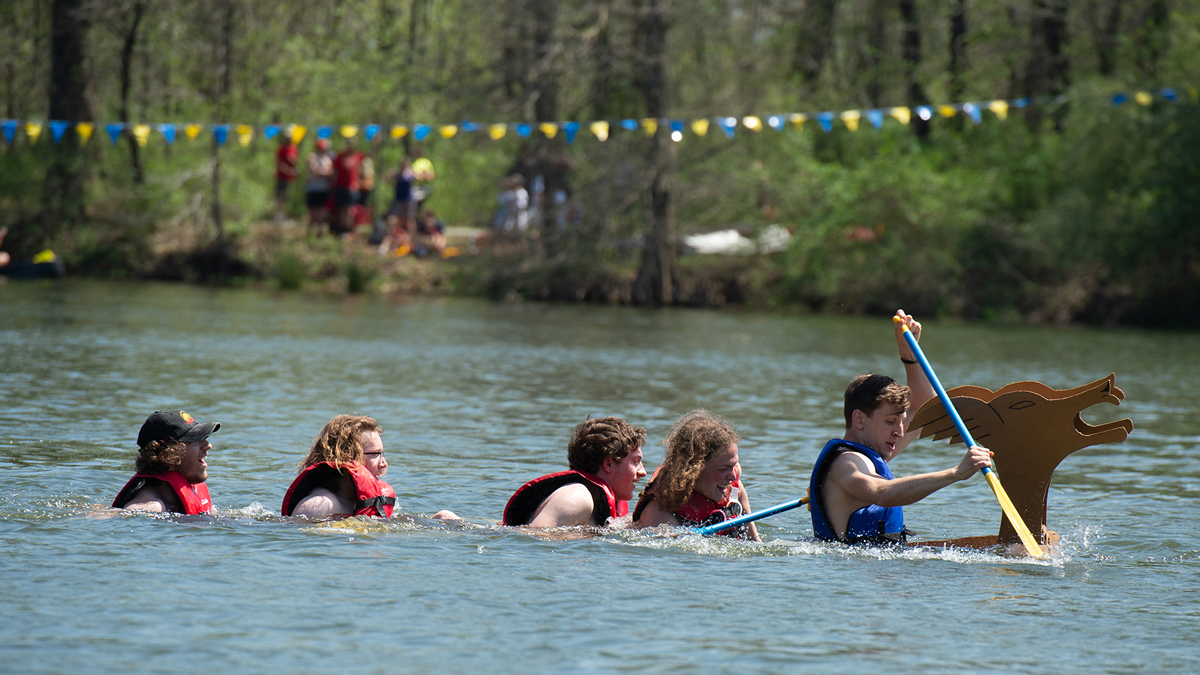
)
(475, 399)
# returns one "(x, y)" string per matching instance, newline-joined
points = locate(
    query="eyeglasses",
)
(372, 454)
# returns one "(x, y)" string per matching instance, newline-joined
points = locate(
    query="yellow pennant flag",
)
(33, 130)
(192, 131)
(700, 127)
(141, 133)
(348, 131)
(548, 129)
(850, 118)
(297, 133)
(797, 120)
(650, 125)
(399, 131)
(1000, 108)
(448, 130)
(497, 131)
(752, 123)
(1143, 98)
(84, 129)
(600, 129)
(901, 114)
(947, 110)
(245, 134)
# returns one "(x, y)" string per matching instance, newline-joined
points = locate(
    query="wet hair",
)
(690, 444)
(161, 456)
(340, 442)
(596, 440)
(869, 392)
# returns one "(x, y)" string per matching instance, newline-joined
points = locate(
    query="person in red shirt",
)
(347, 168)
(286, 160)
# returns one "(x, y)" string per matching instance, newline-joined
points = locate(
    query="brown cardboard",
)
(1030, 428)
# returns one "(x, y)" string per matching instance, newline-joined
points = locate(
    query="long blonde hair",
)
(690, 443)
(340, 442)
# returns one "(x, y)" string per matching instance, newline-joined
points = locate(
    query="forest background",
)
(1072, 209)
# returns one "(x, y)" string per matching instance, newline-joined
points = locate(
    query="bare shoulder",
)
(850, 463)
(653, 515)
(147, 499)
(567, 506)
(321, 503)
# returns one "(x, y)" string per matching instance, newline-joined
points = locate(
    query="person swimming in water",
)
(171, 468)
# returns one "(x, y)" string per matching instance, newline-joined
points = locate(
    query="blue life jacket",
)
(869, 525)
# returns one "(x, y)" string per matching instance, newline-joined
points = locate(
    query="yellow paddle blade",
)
(1031, 545)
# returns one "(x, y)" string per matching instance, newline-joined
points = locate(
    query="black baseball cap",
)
(174, 424)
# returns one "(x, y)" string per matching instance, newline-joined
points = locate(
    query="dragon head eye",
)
(1020, 405)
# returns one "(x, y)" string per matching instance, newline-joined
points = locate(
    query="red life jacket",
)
(193, 496)
(526, 500)
(373, 497)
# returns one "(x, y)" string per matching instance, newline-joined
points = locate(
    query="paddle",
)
(993, 480)
(717, 528)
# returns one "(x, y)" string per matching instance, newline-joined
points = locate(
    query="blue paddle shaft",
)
(717, 528)
(940, 391)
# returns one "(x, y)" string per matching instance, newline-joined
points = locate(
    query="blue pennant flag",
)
(973, 111)
(523, 130)
(10, 129)
(421, 131)
(569, 130)
(371, 131)
(727, 124)
(325, 132)
(220, 132)
(677, 125)
(1020, 103)
(114, 131)
(271, 131)
(58, 128)
(825, 119)
(168, 132)
(1118, 99)
(1169, 94)
(875, 117)
(924, 112)
(629, 125)
(775, 122)
(468, 127)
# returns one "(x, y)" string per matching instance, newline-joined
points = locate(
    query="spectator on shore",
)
(519, 213)
(423, 176)
(5, 258)
(347, 170)
(286, 170)
(366, 189)
(431, 226)
(316, 190)
(401, 215)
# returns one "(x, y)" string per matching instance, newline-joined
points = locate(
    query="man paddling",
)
(855, 497)
(171, 469)
(605, 456)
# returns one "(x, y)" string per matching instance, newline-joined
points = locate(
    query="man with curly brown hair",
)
(171, 466)
(605, 456)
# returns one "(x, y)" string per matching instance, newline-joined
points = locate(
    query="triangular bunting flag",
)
(271, 131)
(399, 131)
(1000, 108)
(497, 131)
(797, 120)
(325, 132)
(569, 131)
(297, 132)
(168, 132)
(1020, 103)
(825, 119)
(421, 131)
(245, 134)
(629, 125)
(973, 112)
(925, 112)
(1169, 94)
(752, 123)
(600, 129)
(84, 130)
(700, 127)
(192, 131)
(33, 130)
(649, 125)
(947, 110)
(448, 130)
(141, 132)
(850, 119)
(901, 114)
(348, 131)
(523, 130)
(469, 127)
(114, 131)
(548, 129)
(775, 122)
(728, 125)
(57, 129)
(875, 117)
(1143, 98)
(221, 133)
(371, 131)
(10, 130)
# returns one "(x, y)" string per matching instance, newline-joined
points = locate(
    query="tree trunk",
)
(223, 60)
(958, 50)
(814, 39)
(656, 278)
(139, 176)
(1151, 40)
(1048, 71)
(912, 64)
(63, 189)
(875, 54)
(1108, 40)
(550, 155)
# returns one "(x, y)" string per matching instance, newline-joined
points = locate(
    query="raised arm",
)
(919, 388)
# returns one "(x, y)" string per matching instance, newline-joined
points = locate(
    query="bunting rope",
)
(851, 119)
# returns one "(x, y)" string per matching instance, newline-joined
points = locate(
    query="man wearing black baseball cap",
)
(171, 469)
